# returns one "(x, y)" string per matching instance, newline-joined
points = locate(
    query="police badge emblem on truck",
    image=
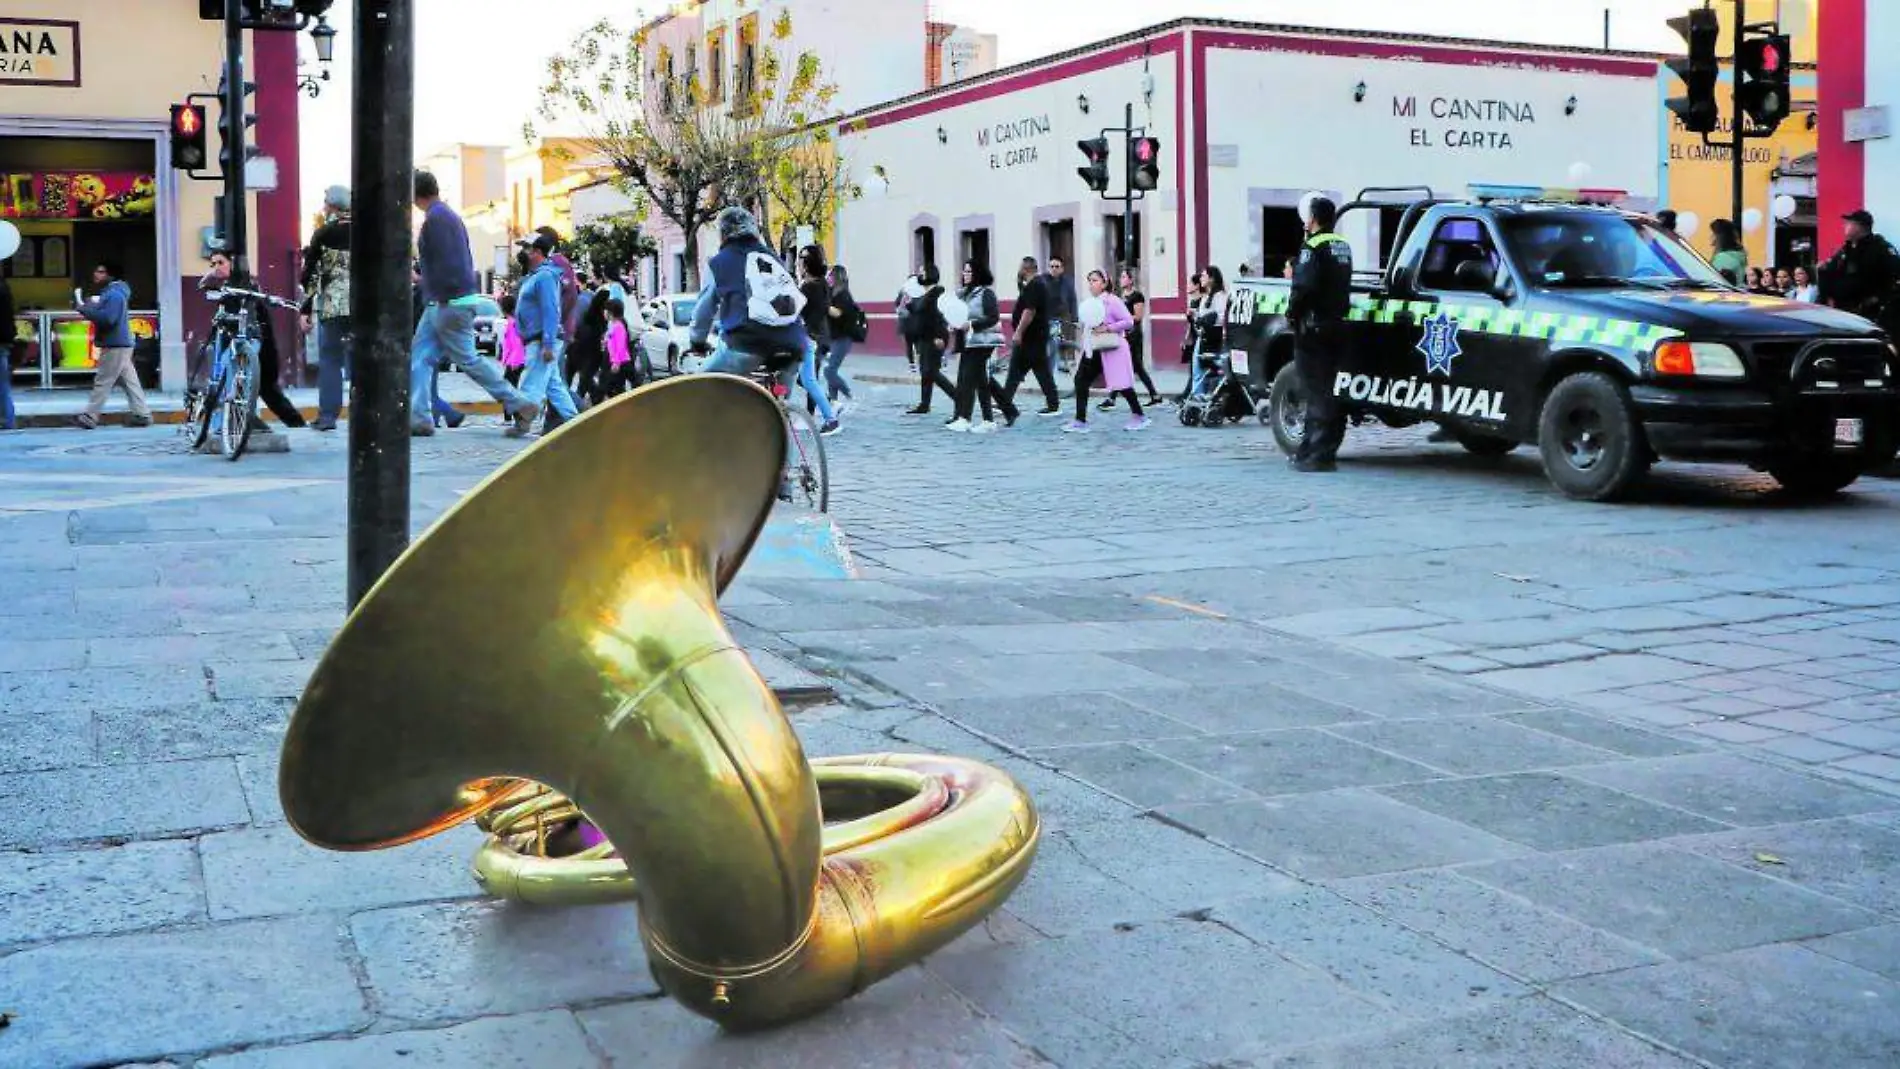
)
(1440, 344)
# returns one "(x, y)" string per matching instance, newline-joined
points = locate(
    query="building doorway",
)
(1058, 241)
(923, 246)
(79, 202)
(1281, 234)
(976, 249)
(1115, 254)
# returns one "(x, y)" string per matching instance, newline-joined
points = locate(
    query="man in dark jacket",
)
(1029, 340)
(1862, 276)
(750, 297)
(1321, 299)
(326, 303)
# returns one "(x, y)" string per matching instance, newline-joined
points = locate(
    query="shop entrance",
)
(1281, 235)
(1058, 242)
(78, 202)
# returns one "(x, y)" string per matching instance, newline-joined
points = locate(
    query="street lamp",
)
(323, 36)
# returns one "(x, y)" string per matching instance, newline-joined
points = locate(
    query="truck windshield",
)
(1575, 249)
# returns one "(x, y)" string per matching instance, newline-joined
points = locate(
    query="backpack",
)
(859, 328)
(772, 296)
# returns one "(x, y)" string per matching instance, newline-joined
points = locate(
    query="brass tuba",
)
(559, 625)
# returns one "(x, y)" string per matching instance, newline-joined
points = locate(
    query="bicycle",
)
(806, 479)
(228, 404)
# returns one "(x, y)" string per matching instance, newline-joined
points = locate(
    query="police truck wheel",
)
(1815, 476)
(1593, 448)
(1288, 418)
(1483, 445)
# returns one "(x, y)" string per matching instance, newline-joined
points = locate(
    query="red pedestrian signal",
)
(1144, 163)
(188, 136)
(1765, 83)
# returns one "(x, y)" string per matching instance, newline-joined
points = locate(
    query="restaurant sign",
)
(39, 52)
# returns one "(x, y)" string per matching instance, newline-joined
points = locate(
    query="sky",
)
(479, 61)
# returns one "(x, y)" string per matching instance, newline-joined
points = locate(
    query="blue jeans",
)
(333, 356)
(6, 390)
(543, 383)
(448, 331)
(835, 382)
(735, 362)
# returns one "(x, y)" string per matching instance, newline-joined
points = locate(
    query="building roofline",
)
(1185, 23)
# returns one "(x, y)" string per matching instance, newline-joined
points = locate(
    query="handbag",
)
(1095, 343)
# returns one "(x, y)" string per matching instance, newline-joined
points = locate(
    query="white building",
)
(1250, 118)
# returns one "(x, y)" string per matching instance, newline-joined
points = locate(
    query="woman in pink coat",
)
(1108, 358)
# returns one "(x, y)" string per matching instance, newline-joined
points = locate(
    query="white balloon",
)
(1687, 223)
(1751, 220)
(1092, 312)
(1306, 206)
(1580, 172)
(1785, 206)
(9, 239)
(955, 311)
(913, 288)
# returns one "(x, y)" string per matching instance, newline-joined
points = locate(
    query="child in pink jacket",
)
(622, 373)
(514, 353)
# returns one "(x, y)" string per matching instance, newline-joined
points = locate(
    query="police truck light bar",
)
(1484, 191)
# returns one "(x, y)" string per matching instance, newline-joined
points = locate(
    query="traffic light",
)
(1699, 70)
(242, 131)
(188, 137)
(1144, 163)
(1763, 70)
(1096, 173)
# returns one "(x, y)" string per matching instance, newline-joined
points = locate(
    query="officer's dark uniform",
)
(1322, 296)
(1861, 278)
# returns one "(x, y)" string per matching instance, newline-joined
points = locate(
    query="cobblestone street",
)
(1418, 764)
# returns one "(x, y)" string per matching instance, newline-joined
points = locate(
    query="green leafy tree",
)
(613, 241)
(685, 143)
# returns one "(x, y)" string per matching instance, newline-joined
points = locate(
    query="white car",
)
(669, 323)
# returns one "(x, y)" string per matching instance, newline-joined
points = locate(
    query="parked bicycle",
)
(227, 405)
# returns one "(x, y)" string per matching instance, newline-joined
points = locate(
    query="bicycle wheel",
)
(805, 472)
(240, 400)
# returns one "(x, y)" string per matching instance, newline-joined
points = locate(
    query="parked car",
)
(669, 322)
(488, 319)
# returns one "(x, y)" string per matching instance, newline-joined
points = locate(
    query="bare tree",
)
(687, 144)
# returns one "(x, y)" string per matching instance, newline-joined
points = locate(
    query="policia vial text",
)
(1439, 397)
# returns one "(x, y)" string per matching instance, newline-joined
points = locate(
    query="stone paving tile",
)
(284, 679)
(1734, 731)
(1290, 762)
(1186, 994)
(1583, 677)
(1674, 901)
(453, 961)
(1732, 655)
(260, 872)
(1402, 694)
(1368, 953)
(1063, 719)
(1733, 790)
(1342, 833)
(1876, 950)
(1513, 1035)
(1220, 710)
(1548, 811)
(123, 998)
(1629, 596)
(196, 729)
(119, 801)
(1208, 667)
(1055, 673)
(1463, 664)
(34, 693)
(1472, 746)
(1805, 750)
(1143, 777)
(1849, 860)
(1879, 766)
(1602, 734)
(95, 892)
(57, 738)
(910, 1019)
(257, 773)
(553, 1040)
(30, 654)
(1774, 1007)
(1744, 608)
(1862, 737)
(1504, 931)
(1339, 623)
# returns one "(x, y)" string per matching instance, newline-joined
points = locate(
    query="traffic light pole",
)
(382, 175)
(1737, 120)
(236, 236)
(1128, 197)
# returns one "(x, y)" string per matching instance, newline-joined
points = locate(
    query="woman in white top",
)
(1804, 288)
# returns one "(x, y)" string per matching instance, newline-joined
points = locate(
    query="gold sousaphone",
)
(559, 625)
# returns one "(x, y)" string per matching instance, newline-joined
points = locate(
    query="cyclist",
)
(755, 304)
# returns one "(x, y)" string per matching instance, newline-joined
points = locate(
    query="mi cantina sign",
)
(39, 52)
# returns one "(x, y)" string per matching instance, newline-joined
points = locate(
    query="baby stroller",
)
(1223, 391)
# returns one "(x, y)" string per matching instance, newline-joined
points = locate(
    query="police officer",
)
(1862, 276)
(1322, 296)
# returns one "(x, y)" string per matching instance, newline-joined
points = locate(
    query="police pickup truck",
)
(1523, 316)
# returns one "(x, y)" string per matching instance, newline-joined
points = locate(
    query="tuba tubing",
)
(608, 675)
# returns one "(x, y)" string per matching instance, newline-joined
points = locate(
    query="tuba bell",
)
(609, 676)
